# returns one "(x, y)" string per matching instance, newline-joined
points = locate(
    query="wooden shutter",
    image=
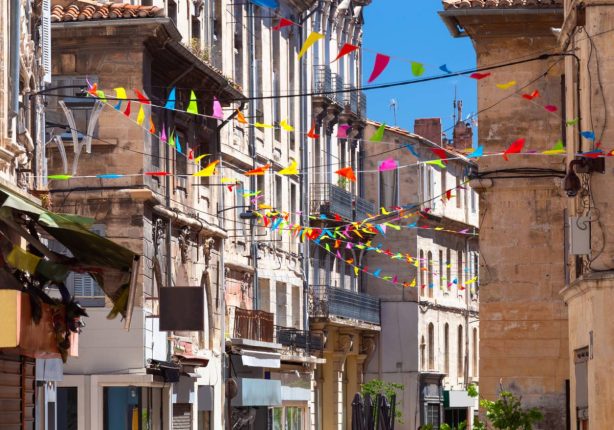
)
(17, 393)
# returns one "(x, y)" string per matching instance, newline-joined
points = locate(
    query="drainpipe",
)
(252, 145)
(15, 41)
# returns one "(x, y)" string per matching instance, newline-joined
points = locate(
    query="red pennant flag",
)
(347, 172)
(514, 148)
(283, 22)
(191, 155)
(381, 62)
(157, 173)
(141, 97)
(93, 90)
(441, 154)
(127, 111)
(345, 50)
(479, 76)
(551, 108)
(312, 132)
(258, 170)
(531, 96)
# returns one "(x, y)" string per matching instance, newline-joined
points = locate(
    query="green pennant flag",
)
(193, 106)
(417, 69)
(59, 177)
(379, 134)
(171, 139)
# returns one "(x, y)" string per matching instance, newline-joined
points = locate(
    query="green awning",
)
(109, 263)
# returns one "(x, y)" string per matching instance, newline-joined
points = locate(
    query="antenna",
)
(454, 106)
(393, 105)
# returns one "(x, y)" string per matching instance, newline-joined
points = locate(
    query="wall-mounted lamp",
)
(572, 183)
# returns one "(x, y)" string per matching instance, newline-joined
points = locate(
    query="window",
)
(459, 271)
(431, 346)
(171, 10)
(432, 414)
(446, 349)
(296, 307)
(238, 42)
(476, 274)
(258, 90)
(422, 354)
(421, 275)
(240, 208)
(292, 85)
(275, 35)
(473, 201)
(429, 263)
(427, 178)
(460, 359)
(448, 269)
(294, 218)
(217, 44)
(67, 408)
(81, 107)
(181, 161)
(459, 193)
(389, 188)
(475, 352)
(286, 418)
(281, 297)
(279, 202)
(440, 274)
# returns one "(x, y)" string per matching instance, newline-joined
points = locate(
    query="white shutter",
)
(46, 39)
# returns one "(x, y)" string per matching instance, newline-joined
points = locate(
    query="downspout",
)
(15, 42)
(252, 147)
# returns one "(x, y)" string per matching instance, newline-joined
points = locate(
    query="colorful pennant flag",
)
(209, 170)
(283, 22)
(258, 170)
(417, 69)
(381, 62)
(312, 131)
(217, 109)
(127, 111)
(389, 164)
(287, 127)
(477, 153)
(507, 85)
(477, 76)
(342, 131)
(379, 134)
(193, 105)
(347, 172)
(140, 118)
(558, 148)
(241, 117)
(142, 99)
(514, 148)
(590, 135)
(292, 169)
(120, 93)
(444, 68)
(311, 39)
(170, 102)
(531, 96)
(551, 108)
(345, 50)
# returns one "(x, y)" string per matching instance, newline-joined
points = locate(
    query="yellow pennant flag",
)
(507, 85)
(261, 125)
(209, 170)
(292, 169)
(413, 283)
(141, 116)
(311, 39)
(120, 93)
(200, 157)
(284, 124)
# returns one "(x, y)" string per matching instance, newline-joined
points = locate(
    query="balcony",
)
(329, 199)
(323, 82)
(253, 325)
(299, 339)
(326, 302)
(350, 99)
(362, 105)
(337, 84)
(364, 208)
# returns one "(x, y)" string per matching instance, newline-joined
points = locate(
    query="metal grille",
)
(337, 84)
(294, 338)
(330, 199)
(254, 325)
(322, 81)
(329, 301)
(362, 105)
(350, 99)
(364, 208)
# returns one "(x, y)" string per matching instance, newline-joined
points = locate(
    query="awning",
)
(107, 262)
(458, 399)
(253, 358)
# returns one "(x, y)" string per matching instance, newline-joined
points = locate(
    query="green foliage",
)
(472, 391)
(461, 426)
(388, 389)
(507, 413)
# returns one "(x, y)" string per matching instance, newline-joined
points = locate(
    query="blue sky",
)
(412, 31)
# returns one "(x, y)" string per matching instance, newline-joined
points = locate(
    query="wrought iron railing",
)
(350, 98)
(330, 199)
(364, 208)
(322, 81)
(362, 105)
(337, 84)
(299, 339)
(254, 325)
(328, 301)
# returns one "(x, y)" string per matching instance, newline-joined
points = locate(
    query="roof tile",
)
(81, 11)
(501, 4)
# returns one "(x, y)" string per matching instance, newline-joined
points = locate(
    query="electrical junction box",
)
(580, 235)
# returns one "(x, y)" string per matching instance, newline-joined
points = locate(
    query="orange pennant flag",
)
(241, 117)
(347, 172)
(258, 170)
(152, 127)
(312, 132)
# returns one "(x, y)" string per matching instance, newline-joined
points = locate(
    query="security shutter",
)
(182, 416)
(17, 393)
(46, 39)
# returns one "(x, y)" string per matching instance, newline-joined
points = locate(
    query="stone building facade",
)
(588, 293)
(429, 338)
(523, 319)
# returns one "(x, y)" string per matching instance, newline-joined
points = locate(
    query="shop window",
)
(127, 408)
(67, 409)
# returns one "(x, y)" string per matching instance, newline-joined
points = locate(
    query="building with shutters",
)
(429, 331)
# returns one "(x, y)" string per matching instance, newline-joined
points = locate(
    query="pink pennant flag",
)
(389, 164)
(163, 134)
(551, 108)
(381, 62)
(342, 131)
(217, 109)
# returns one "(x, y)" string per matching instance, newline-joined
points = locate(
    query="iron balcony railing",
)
(254, 325)
(364, 208)
(326, 302)
(362, 105)
(299, 339)
(338, 86)
(330, 199)
(323, 82)
(350, 98)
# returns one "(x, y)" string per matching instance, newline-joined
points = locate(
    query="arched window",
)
(431, 346)
(475, 352)
(421, 275)
(422, 357)
(460, 359)
(448, 269)
(429, 267)
(459, 271)
(446, 349)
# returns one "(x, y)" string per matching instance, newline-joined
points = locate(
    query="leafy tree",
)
(387, 389)
(505, 413)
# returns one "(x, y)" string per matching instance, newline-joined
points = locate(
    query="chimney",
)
(429, 128)
(462, 136)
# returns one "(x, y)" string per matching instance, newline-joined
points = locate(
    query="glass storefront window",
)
(294, 418)
(132, 408)
(286, 418)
